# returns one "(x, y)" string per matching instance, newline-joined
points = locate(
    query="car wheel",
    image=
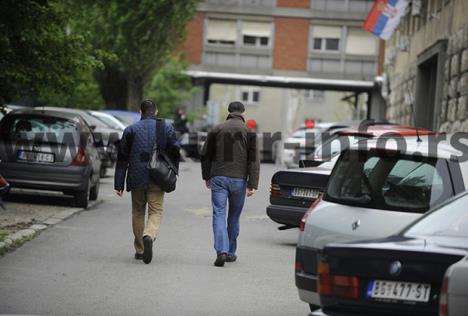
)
(94, 192)
(82, 197)
(102, 172)
(313, 307)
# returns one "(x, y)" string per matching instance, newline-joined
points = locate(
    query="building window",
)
(315, 95)
(360, 42)
(256, 34)
(221, 32)
(250, 95)
(326, 38)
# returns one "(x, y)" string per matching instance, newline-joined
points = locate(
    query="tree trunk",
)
(113, 87)
(134, 92)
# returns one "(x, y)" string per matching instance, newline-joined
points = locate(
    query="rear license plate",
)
(400, 291)
(34, 156)
(305, 193)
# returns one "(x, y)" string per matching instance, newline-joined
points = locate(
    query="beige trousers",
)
(154, 197)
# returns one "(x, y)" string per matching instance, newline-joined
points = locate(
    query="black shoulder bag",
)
(161, 169)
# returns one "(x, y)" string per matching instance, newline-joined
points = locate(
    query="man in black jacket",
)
(135, 150)
(230, 168)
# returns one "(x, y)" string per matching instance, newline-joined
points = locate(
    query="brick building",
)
(426, 67)
(319, 39)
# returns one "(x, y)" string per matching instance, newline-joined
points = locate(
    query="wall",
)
(401, 68)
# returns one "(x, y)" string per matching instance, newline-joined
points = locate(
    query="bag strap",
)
(160, 132)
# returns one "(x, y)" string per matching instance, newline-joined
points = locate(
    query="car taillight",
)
(298, 267)
(443, 301)
(275, 190)
(3, 181)
(80, 159)
(337, 285)
(306, 215)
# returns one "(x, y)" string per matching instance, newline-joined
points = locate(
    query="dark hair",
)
(236, 106)
(148, 107)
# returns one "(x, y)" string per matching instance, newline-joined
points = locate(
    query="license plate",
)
(34, 156)
(305, 193)
(400, 291)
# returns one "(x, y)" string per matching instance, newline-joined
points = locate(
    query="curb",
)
(20, 237)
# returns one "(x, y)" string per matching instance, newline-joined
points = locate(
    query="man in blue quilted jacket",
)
(135, 150)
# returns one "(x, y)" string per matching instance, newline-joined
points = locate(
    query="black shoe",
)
(220, 260)
(138, 256)
(148, 252)
(231, 258)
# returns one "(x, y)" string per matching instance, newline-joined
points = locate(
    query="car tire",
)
(102, 172)
(94, 192)
(82, 197)
(313, 307)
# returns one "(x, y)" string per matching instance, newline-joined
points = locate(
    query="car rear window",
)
(389, 181)
(450, 220)
(48, 129)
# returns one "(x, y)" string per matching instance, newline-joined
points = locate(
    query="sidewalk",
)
(27, 213)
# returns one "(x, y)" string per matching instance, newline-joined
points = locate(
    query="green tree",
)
(38, 54)
(169, 87)
(142, 34)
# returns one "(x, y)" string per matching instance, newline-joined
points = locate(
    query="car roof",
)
(385, 130)
(45, 112)
(412, 145)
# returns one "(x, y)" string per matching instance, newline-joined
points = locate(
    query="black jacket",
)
(231, 151)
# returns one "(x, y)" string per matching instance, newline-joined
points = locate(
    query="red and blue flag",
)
(385, 16)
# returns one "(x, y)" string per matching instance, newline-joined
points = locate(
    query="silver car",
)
(50, 150)
(454, 295)
(374, 191)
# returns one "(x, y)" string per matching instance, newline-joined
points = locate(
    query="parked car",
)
(401, 274)
(301, 142)
(454, 293)
(50, 150)
(126, 117)
(108, 119)
(293, 191)
(106, 138)
(374, 192)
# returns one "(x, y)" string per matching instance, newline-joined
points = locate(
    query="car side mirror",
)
(92, 127)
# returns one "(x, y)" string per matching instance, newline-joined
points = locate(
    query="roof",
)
(427, 146)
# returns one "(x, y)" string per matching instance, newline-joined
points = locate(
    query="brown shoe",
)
(138, 256)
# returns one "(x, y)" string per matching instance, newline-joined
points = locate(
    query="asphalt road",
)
(85, 264)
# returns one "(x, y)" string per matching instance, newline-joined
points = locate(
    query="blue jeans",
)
(224, 189)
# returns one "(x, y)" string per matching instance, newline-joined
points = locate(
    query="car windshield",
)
(48, 129)
(109, 120)
(389, 181)
(450, 220)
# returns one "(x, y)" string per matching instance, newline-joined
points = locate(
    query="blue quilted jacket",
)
(135, 150)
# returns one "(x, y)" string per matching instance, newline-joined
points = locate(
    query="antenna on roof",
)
(419, 140)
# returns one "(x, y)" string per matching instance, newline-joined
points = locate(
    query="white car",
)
(454, 294)
(375, 189)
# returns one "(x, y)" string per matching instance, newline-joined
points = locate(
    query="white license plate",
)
(400, 291)
(305, 193)
(34, 156)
